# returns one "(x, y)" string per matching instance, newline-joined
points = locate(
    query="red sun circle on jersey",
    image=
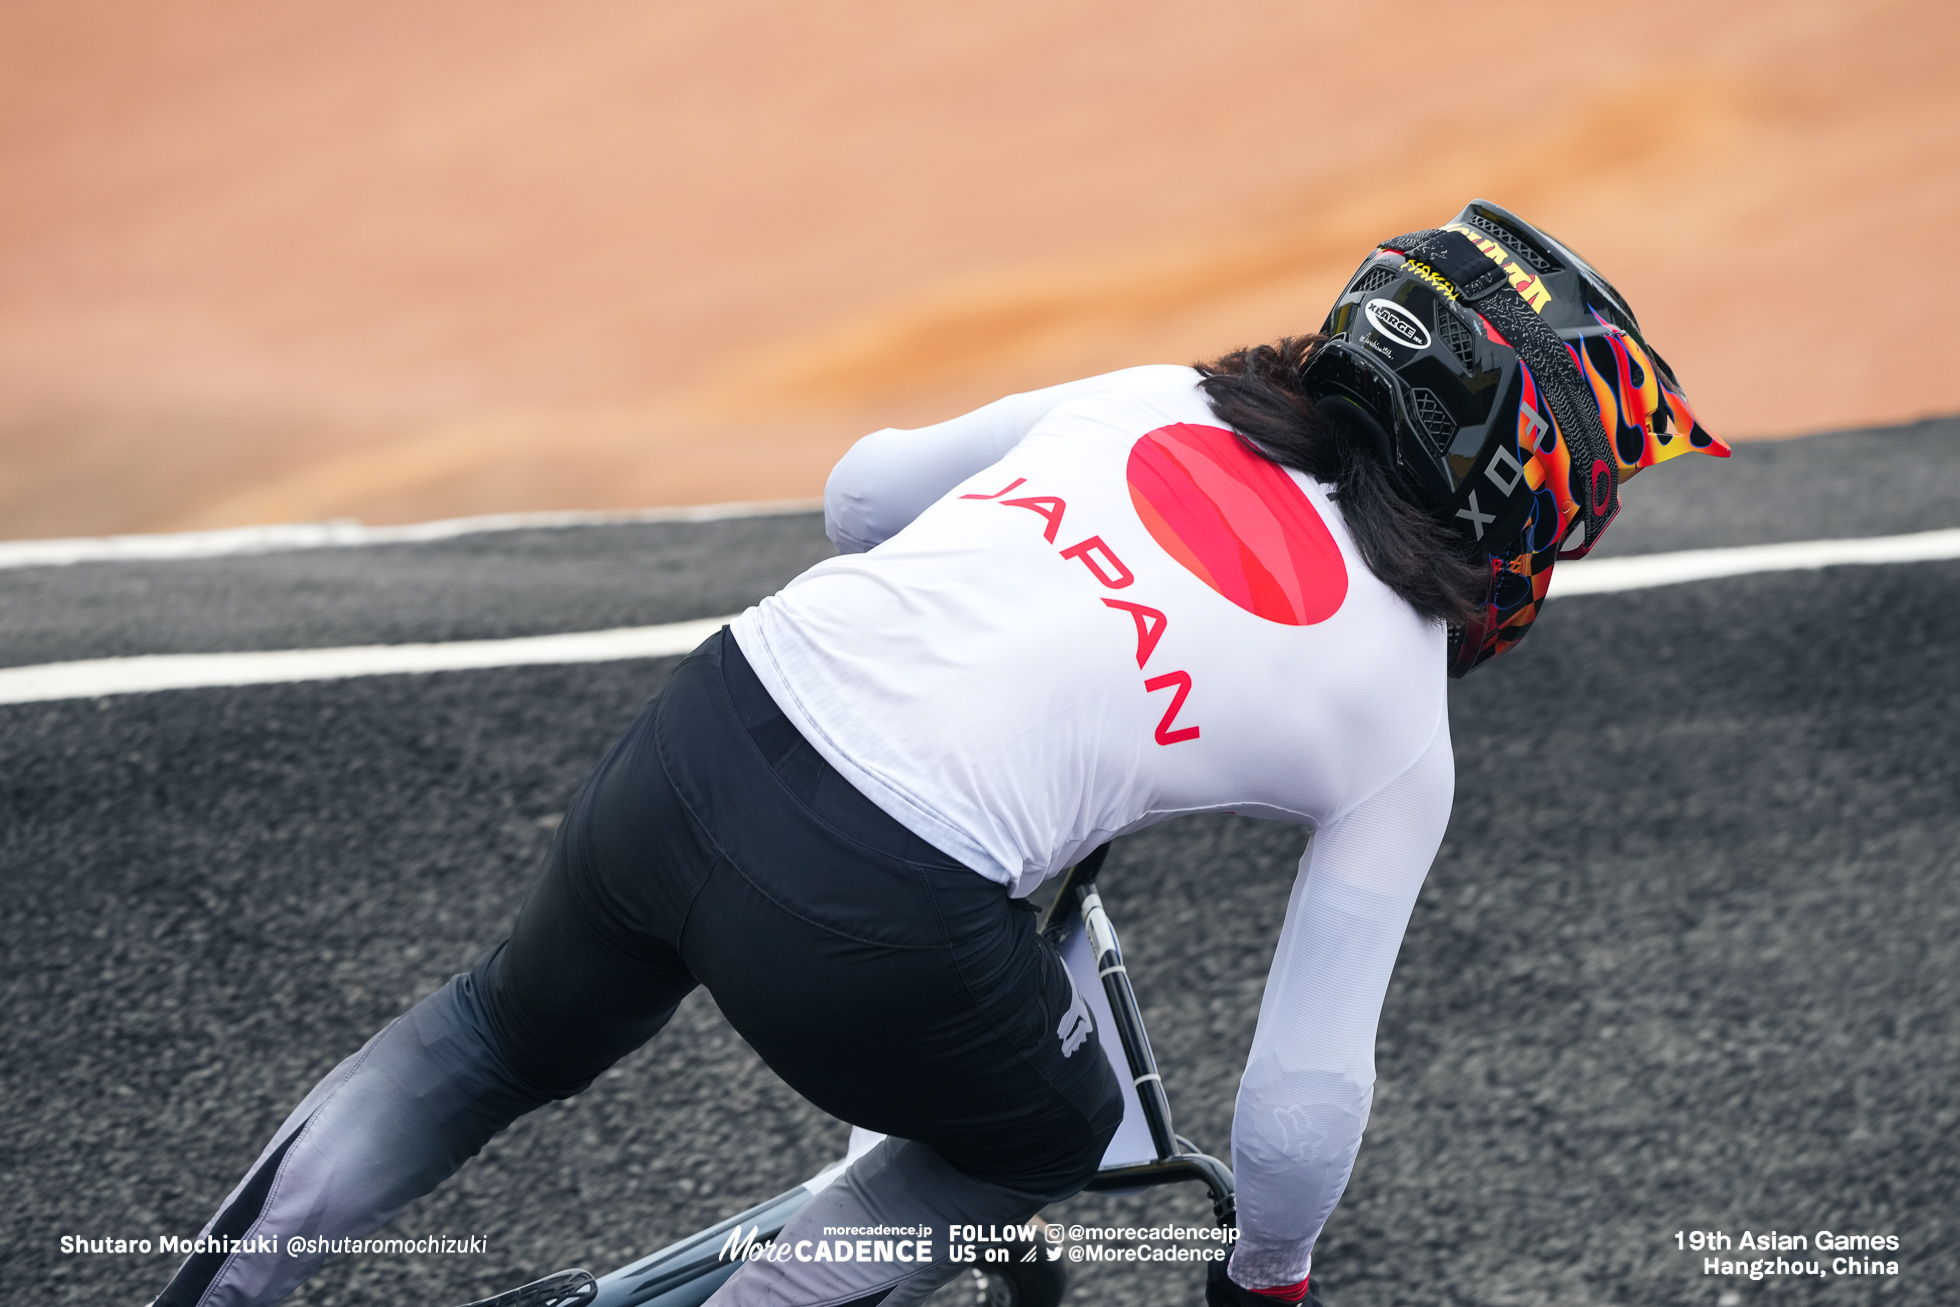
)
(1238, 523)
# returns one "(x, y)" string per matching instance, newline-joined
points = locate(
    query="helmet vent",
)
(1435, 419)
(1515, 242)
(1376, 278)
(1457, 336)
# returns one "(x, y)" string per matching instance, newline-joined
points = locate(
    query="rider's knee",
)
(1071, 1162)
(1105, 1117)
(485, 997)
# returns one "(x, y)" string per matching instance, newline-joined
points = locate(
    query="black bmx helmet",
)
(1509, 386)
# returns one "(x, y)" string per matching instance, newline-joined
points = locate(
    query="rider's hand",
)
(1221, 1290)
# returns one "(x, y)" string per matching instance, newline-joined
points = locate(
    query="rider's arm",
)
(891, 476)
(1308, 1082)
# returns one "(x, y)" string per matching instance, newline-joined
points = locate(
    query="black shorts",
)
(890, 985)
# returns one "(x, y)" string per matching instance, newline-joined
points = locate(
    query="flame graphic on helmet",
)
(1647, 421)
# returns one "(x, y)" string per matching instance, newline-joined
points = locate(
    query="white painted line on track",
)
(105, 676)
(343, 535)
(1643, 571)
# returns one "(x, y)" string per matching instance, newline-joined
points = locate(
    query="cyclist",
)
(1064, 616)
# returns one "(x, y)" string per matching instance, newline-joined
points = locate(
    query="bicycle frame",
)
(1080, 929)
(1146, 1151)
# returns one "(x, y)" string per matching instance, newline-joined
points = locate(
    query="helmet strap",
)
(1486, 286)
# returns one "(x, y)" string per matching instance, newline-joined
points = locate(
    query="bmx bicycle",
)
(1145, 1152)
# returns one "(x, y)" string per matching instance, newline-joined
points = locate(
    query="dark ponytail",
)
(1257, 393)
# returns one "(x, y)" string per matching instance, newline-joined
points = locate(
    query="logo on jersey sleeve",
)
(1238, 523)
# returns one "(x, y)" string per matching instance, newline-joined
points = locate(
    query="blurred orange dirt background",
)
(272, 261)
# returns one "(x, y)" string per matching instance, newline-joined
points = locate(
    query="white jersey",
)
(1127, 617)
(1083, 610)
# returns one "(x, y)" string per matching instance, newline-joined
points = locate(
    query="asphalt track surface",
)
(1687, 959)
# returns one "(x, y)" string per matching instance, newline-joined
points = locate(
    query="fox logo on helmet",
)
(1391, 319)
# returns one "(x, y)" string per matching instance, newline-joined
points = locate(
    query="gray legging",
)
(891, 986)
